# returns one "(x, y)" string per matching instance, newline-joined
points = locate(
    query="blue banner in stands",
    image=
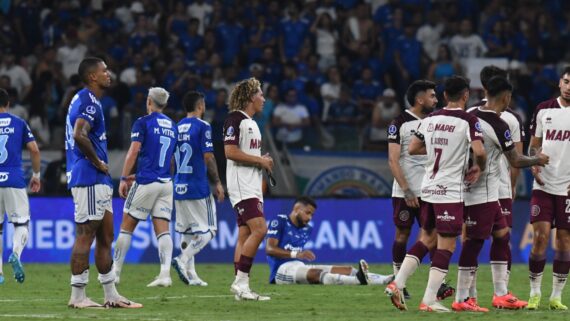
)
(345, 231)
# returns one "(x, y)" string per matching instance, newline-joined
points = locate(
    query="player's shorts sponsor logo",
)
(208, 134)
(184, 128)
(181, 188)
(350, 181)
(240, 210)
(470, 222)
(90, 110)
(445, 217)
(505, 211)
(440, 190)
(143, 210)
(404, 215)
(535, 210)
(4, 176)
(5, 122)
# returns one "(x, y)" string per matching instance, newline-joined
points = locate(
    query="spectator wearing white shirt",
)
(326, 40)
(71, 54)
(466, 44)
(19, 77)
(430, 34)
(330, 90)
(200, 10)
(289, 118)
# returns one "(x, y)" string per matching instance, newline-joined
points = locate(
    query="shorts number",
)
(164, 144)
(3, 150)
(182, 166)
(567, 206)
(437, 152)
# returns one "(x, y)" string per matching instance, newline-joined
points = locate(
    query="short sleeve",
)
(275, 229)
(535, 123)
(207, 145)
(28, 136)
(475, 132)
(138, 131)
(231, 129)
(505, 137)
(90, 112)
(420, 132)
(394, 131)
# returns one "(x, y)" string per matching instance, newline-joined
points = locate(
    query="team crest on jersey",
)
(90, 110)
(430, 128)
(5, 122)
(508, 134)
(208, 134)
(535, 210)
(392, 129)
(404, 215)
(165, 123)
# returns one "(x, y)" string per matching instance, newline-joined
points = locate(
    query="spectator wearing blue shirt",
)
(408, 56)
(291, 80)
(231, 37)
(263, 119)
(498, 41)
(190, 40)
(260, 35)
(525, 43)
(366, 90)
(365, 59)
(292, 34)
(273, 67)
(178, 21)
(201, 65)
(384, 14)
(310, 70)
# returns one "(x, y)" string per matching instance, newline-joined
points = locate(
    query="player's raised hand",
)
(219, 192)
(543, 159)
(472, 174)
(123, 189)
(35, 184)
(306, 255)
(411, 199)
(536, 173)
(101, 166)
(266, 162)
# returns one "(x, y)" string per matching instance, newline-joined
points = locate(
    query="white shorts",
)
(196, 216)
(91, 202)
(150, 199)
(295, 272)
(14, 202)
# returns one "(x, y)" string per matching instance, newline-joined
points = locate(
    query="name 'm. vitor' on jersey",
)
(80, 170)
(194, 140)
(14, 135)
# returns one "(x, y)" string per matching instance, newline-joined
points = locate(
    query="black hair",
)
(86, 67)
(191, 99)
(4, 98)
(306, 200)
(565, 71)
(417, 87)
(455, 86)
(489, 72)
(498, 85)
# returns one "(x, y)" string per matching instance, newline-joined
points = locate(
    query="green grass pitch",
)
(46, 290)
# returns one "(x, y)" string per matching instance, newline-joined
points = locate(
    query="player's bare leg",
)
(500, 255)
(84, 236)
(123, 244)
(240, 287)
(560, 268)
(104, 262)
(161, 229)
(537, 260)
(1, 251)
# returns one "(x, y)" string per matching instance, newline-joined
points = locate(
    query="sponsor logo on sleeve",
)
(230, 134)
(135, 135)
(4, 176)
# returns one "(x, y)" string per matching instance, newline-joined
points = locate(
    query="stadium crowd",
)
(330, 68)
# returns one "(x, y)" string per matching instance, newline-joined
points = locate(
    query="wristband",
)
(124, 178)
(294, 254)
(36, 175)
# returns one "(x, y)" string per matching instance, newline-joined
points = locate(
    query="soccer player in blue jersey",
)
(91, 187)
(195, 208)
(153, 142)
(286, 253)
(14, 135)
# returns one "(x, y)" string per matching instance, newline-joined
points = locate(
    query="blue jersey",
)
(157, 135)
(194, 140)
(290, 237)
(14, 134)
(80, 170)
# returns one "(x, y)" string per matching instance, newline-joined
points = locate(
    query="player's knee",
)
(402, 234)
(259, 232)
(314, 276)
(540, 239)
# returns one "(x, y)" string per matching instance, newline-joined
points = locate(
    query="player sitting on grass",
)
(286, 238)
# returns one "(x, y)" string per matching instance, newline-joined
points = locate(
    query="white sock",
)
(196, 244)
(1, 249)
(165, 253)
(436, 277)
(464, 279)
(508, 277)
(20, 239)
(409, 266)
(378, 279)
(558, 283)
(184, 244)
(535, 283)
(396, 267)
(121, 248)
(242, 278)
(78, 284)
(338, 279)
(190, 267)
(499, 273)
(108, 283)
(473, 286)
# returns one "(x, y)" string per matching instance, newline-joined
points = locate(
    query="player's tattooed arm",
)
(81, 136)
(213, 175)
(534, 148)
(417, 146)
(519, 161)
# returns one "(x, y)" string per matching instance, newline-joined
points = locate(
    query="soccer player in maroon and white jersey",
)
(445, 136)
(483, 215)
(408, 172)
(242, 146)
(550, 203)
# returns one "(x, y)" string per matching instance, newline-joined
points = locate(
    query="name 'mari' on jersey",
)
(14, 135)
(80, 170)
(447, 134)
(194, 140)
(290, 237)
(157, 135)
